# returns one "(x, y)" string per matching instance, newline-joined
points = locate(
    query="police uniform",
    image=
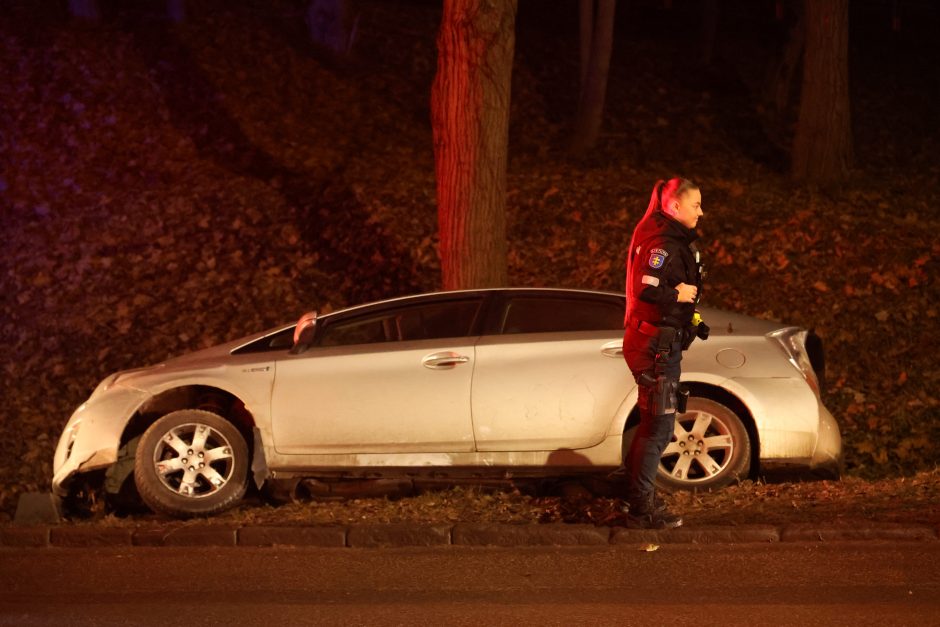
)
(663, 254)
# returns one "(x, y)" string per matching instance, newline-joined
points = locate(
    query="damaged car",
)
(475, 385)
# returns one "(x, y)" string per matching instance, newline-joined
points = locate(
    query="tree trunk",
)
(593, 73)
(470, 119)
(332, 25)
(709, 31)
(586, 30)
(779, 84)
(822, 149)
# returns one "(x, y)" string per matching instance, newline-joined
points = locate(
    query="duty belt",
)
(644, 327)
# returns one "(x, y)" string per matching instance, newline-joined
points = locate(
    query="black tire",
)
(191, 463)
(710, 449)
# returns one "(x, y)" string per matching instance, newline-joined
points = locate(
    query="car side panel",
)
(546, 391)
(603, 456)
(373, 398)
(786, 413)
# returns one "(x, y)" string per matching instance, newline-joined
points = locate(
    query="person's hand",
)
(687, 293)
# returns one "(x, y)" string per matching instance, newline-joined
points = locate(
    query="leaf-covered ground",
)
(851, 501)
(167, 187)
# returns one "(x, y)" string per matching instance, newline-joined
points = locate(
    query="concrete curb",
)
(697, 535)
(292, 536)
(807, 532)
(459, 534)
(488, 534)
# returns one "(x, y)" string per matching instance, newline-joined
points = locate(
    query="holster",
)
(682, 398)
(663, 390)
(663, 396)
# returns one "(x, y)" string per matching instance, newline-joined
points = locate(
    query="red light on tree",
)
(470, 118)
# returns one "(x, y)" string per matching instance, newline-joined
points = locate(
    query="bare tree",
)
(332, 24)
(778, 88)
(597, 36)
(822, 149)
(470, 119)
(710, 11)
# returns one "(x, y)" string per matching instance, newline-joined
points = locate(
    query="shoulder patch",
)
(657, 258)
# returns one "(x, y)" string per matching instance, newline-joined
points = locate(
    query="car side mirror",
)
(303, 332)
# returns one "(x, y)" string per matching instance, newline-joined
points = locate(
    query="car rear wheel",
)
(710, 448)
(191, 463)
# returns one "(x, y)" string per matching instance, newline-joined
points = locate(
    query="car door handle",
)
(612, 349)
(443, 361)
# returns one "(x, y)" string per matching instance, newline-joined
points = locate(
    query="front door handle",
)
(444, 360)
(612, 349)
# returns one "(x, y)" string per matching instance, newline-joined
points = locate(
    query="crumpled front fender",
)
(92, 436)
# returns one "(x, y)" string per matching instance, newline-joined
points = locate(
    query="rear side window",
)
(416, 322)
(556, 315)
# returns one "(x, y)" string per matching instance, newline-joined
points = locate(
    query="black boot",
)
(659, 505)
(647, 513)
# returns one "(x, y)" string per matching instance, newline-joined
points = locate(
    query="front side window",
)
(280, 341)
(416, 322)
(557, 315)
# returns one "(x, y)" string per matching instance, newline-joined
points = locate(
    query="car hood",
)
(212, 357)
(221, 350)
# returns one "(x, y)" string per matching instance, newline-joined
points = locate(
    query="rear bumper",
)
(828, 451)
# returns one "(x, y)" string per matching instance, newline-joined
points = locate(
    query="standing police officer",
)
(664, 281)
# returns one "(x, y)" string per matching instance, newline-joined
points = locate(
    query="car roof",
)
(427, 297)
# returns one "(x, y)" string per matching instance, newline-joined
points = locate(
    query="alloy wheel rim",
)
(194, 460)
(701, 448)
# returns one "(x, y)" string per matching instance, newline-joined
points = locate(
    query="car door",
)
(392, 380)
(552, 377)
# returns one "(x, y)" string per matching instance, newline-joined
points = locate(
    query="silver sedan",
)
(470, 384)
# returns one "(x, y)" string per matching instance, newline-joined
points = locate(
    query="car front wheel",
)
(710, 448)
(191, 463)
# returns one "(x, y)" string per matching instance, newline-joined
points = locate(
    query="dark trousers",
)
(655, 430)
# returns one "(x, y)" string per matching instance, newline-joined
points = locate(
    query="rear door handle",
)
(444, 360)
(612, 349)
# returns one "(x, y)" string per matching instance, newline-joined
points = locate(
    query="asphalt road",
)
(833, 583)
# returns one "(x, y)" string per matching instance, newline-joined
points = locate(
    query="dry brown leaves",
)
(912, 500)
